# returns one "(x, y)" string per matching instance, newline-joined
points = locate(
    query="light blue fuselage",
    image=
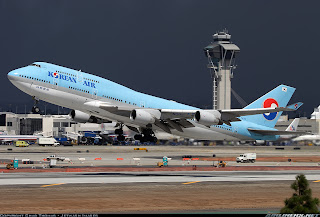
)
(72, 89)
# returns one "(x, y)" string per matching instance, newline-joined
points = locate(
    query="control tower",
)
(221, 55)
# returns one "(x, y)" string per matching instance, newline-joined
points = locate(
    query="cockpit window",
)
(37, 65)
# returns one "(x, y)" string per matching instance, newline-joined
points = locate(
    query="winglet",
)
(295, 106)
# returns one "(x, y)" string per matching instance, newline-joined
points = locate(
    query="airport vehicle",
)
(160, 164)
(246, 158)
(47, 141)
(144, 149)
(221, 164)
(10, 166)
(55, 157)
(98, 100)
(21, 144)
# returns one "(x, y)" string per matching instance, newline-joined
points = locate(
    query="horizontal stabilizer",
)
(276, 132)
(232, 114)
(295, 106)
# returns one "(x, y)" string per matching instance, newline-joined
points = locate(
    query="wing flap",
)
(117, 110)
(177, 114)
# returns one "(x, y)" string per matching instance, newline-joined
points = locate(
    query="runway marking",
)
(43, 186)
(187, 183)
(317, 181)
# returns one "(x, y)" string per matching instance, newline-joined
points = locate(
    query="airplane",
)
(11, 138)
(314, 138)
(97, 100)
(292, 128)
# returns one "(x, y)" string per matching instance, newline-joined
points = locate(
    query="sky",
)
(156, 47)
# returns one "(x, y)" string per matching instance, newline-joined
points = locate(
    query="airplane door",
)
(55, 81)
(94, 94)
(142, 104)
(235, 129)
(79, 77)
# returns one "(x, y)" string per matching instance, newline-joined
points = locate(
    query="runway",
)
(109, 185)
(152, 177)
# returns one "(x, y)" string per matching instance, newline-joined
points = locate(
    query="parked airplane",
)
(98, 100)
(292, 128)
(11, 138)
(315, 139)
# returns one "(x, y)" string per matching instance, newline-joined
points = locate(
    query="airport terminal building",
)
(306, 125)
(47, 125)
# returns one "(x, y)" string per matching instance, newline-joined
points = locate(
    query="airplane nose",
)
(13, 74)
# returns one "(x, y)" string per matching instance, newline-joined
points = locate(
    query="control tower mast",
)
(221, 55)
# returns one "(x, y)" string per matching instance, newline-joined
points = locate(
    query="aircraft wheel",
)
(118, 131)
(138, 137)
(154, 139)
(121, 138)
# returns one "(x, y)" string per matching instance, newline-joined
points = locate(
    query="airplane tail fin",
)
(294, 125)
(278, 97)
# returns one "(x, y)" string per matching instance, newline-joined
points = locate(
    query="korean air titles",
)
(70, 79)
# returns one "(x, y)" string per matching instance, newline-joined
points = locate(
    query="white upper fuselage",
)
(81, 91)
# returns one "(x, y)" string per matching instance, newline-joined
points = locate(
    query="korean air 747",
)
(97, 100)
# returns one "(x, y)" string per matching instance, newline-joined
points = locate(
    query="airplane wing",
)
(167, 119)
(117, 110)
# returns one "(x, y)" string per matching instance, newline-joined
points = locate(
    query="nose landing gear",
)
(35, 108)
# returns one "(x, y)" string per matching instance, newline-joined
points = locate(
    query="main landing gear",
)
(119, 132)
(147, 135)
(35, 108)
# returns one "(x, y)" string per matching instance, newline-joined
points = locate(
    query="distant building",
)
(306, 125)
(316, 113)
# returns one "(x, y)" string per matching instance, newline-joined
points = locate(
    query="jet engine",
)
(81, 117)
(208, 118)
(145, 116)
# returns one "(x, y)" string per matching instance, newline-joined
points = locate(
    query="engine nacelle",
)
(208, 118)
(81, 117)
(144, 116)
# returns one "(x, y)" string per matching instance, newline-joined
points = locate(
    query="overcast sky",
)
(156, 47)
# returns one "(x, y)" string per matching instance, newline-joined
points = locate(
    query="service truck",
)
(21, 144)
(47, 141)
(246, 158)
(55, 157)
